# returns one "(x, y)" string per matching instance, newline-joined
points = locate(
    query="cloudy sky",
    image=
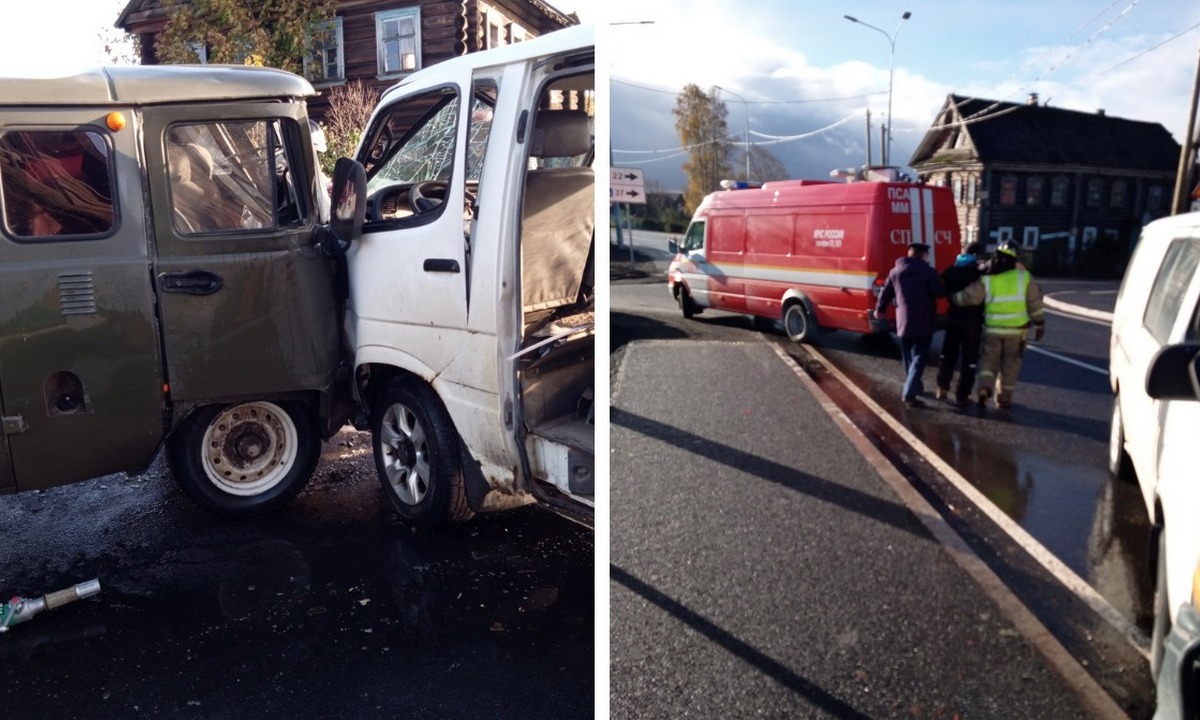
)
(801, 67)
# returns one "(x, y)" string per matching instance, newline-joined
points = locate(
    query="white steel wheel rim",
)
(404, 448)
(249, 449)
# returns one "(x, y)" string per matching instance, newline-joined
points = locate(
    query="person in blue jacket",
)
(914, 286)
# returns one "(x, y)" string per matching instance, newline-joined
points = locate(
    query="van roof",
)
(154, 84)
(577, 37)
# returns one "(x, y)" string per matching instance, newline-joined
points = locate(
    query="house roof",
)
(1022, 133)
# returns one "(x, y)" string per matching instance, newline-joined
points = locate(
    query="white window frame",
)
(495, 33)
(317, 55)
(381, 19)
(1029, 239)
(1001, 234)
(201, 51)
(1089, 237)
(516, 34)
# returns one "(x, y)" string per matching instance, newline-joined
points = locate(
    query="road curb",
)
(1051, 302)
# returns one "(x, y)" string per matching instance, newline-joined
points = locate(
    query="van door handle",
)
(445, 265)
(194, 282)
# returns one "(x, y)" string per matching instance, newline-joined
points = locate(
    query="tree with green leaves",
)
(272, 33)
(700, 122)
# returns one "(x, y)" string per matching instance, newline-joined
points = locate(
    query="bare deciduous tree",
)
(350, 107)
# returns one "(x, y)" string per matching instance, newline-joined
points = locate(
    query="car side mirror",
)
(673, 246)
(1174, 373)
(349, 210)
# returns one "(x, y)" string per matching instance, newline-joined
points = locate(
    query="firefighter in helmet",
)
(1012, 303)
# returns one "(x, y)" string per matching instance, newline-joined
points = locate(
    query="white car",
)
(1155, 417)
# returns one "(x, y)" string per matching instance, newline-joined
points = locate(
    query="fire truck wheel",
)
(245, 459)
(686, 305)
(417, 454)
(799, 323)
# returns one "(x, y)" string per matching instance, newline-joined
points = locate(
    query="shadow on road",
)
(768, 665)
(626, 327)
(833, 493)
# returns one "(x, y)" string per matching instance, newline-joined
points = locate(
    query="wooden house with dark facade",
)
(381, 41)
(1072, 188)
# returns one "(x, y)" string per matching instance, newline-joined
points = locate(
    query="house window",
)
(1095, 193)
(1029, 240)
(970, 235)
(1154, 198)
(1033, 192)
(1002, 234)
(1089, 237)
(958, 190)
(324, 62)
(201, 52)
(398, 35)
(1116, 197)
(496, 32)
(516, 33)
(1008, 190)
(972, 190)
(1058, 192)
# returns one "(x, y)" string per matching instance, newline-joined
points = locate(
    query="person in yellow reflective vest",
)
(1012, 303)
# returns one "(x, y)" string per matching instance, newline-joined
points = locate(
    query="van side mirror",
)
(349, 210)
(1174, 373)
(673, 246)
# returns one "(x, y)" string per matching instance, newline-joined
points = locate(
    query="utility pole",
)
(1187, 156)
(868, 137)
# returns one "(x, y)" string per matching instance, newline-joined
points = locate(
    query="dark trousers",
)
(915, 353)
(960, 343)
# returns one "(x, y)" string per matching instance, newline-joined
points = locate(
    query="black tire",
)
(686, 305)
(245, 459)
(417, 455)
(1119, 464)
(799, 323)
(1162, 609)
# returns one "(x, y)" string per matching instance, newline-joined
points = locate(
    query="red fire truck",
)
(813, 254)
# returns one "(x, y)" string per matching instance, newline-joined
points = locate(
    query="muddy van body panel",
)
(116, 321)
(80, 350)
(831, 244)
(271, 326)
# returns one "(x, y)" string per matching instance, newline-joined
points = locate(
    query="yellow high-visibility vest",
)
(1005, 308)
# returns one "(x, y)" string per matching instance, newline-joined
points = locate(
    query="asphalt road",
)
(329, 608)
(1043, 462)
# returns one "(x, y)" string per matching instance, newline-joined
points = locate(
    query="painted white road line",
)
(1070, 361)
(1052, 302)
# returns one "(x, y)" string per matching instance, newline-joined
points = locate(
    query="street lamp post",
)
(887, 148)
(746, 106)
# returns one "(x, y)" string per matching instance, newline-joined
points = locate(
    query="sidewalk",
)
(761, 566)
